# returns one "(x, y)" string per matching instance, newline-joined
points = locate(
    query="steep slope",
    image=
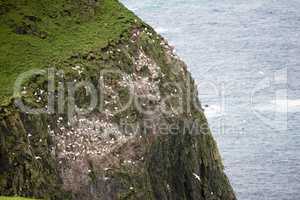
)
(119, 114)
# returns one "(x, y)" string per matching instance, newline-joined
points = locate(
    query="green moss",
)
(14, 198)
(135, 183)
(68, 28)
(22, 173)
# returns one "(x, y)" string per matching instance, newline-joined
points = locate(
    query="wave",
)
(214, 111)
(161, 30)
(280, 106)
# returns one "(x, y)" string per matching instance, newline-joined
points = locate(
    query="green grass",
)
(70, 28)
(14, 198)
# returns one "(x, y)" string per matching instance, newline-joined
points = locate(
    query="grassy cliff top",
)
(14, 198)
(36, 34)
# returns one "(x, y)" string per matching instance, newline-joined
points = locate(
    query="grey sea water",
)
(245, 55)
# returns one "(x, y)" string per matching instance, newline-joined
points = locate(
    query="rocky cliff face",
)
(118, 118)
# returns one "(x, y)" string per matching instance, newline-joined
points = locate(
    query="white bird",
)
(197, 177)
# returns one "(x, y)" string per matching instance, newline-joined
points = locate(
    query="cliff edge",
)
(96, 105)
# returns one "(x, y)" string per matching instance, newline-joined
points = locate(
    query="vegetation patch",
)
(35, 34)
(14, 198)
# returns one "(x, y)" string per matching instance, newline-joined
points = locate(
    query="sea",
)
(245, 57)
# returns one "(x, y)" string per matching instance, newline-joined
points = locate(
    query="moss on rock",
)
(38, 153)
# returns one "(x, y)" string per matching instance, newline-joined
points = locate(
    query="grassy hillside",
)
(14, 198)
(35, 33)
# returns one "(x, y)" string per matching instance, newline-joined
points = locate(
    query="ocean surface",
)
(245, 55)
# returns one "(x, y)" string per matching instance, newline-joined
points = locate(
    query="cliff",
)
(116, 113)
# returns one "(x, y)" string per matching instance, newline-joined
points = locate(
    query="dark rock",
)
(22, 30)
(33, 18)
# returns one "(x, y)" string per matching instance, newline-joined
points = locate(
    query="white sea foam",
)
(292, 105)
(214, 111)
(161, 30)
(279, 106)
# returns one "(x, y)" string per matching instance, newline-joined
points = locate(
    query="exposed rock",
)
(149, 150)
